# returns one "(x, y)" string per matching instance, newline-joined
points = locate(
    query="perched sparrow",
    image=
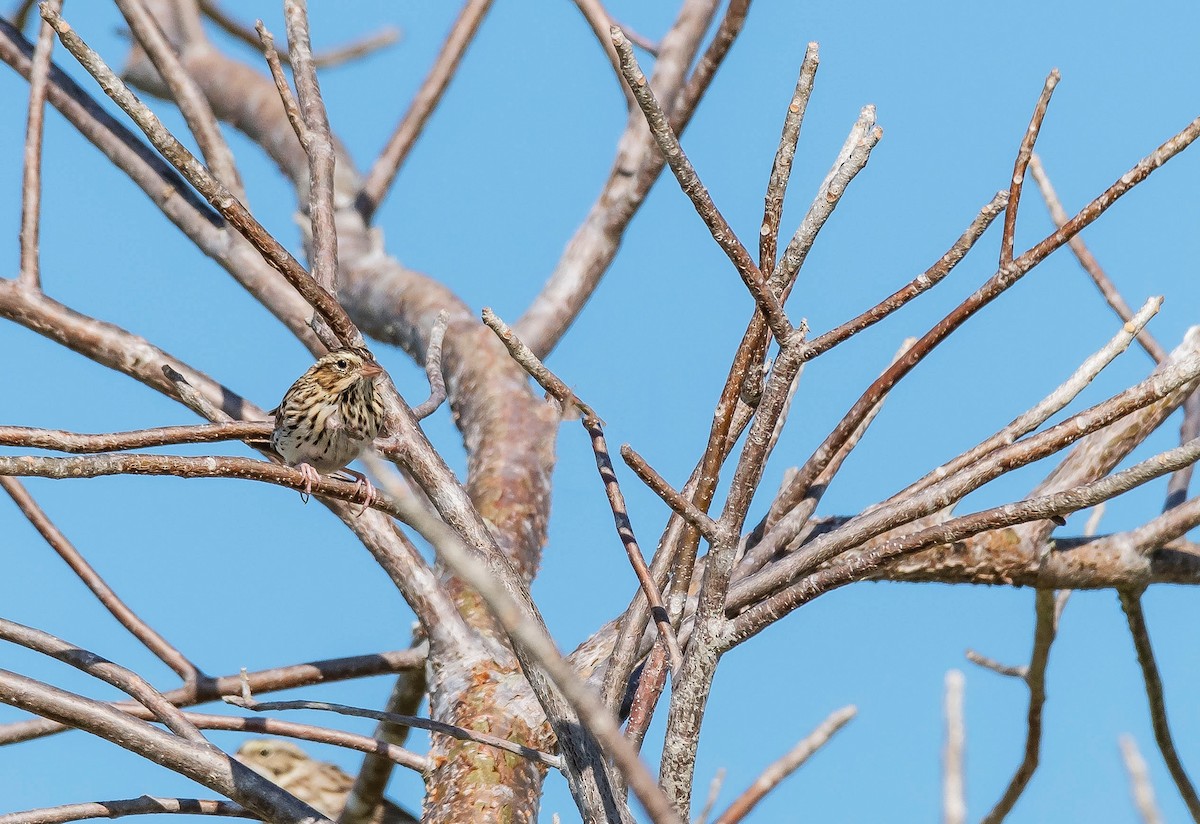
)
(329, 416)
(321, 785)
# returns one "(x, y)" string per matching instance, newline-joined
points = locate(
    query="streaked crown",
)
(341, 369)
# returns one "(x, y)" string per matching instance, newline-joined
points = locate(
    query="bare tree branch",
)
(262, 681)
(1018, 176)
(154, 642)
(1088, 261)
(612, 488)
(342, 54)
(1044, 632)
(123, 679)
(787, 764)
(721, 231)
(31, 181)
(954, 793)
(1139, 781)
(191, 101)
(405, 720)
(142, 805)
(202, 763)
(211, 188)
(383, 172)
(1131, 603)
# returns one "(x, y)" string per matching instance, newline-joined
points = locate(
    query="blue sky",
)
(505, 171)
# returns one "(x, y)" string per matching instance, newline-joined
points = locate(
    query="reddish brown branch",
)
(1019, 166)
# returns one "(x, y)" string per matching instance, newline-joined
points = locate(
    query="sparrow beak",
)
(371, 370)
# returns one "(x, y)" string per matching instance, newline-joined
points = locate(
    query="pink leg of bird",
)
(311, 476)
(364, 486)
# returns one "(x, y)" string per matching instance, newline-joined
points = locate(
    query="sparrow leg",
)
(311, 476)
(364, 487)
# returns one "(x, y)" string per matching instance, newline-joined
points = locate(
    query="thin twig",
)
(689, 181)
(766, 611)
(20, 14)
(864, 136)
(140, 630)
(638, 39)
(31, 181)
(1088, 261)
(211, 188)
(1045, 630)
(996, 285)
(328, 671)
(391, 753)
(1007, 670)
(1019, 166)
(85, 443)
(781, 170)
(327, 59)
(608, 476)
(954, 795)
(1131, 603)
(681, 504)
(433, 369)
(197, 760)
(405, 720)
(142, 805)
(275, 63)
(124, 679)
(188, 96)
(1046, 408)
(367, 793)
(786, 765)
(194, 399)
(1139, 781)
(180, 466)
(714, 790)
(1177, 487)
(318, 145)
(385, 168)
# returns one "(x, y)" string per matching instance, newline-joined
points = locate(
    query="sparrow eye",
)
(342, 364)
